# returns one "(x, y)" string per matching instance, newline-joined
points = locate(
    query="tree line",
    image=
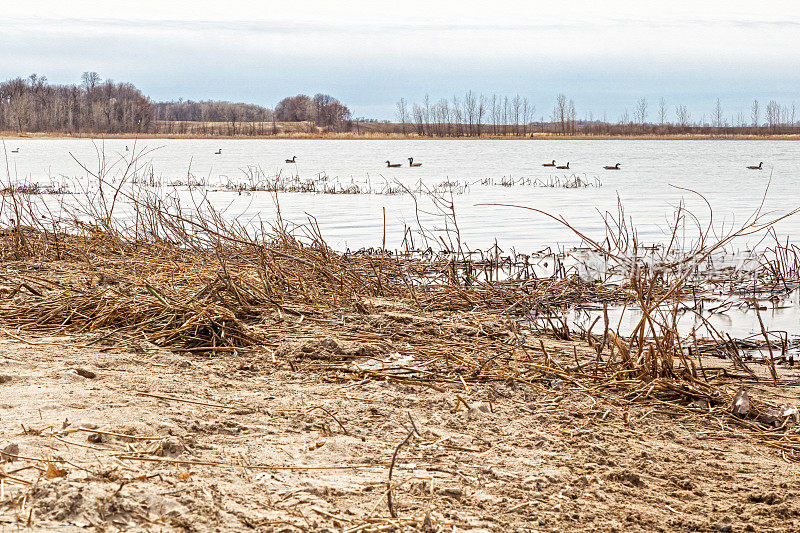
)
(31, 105)
(95, 106)
(497, 115)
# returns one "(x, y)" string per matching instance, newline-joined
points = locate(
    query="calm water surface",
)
(646, 185)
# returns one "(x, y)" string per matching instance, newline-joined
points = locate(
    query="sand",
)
(113, 435)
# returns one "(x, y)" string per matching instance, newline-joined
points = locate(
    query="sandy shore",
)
(111, 434)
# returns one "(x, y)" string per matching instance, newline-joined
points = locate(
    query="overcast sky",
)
(605, 55)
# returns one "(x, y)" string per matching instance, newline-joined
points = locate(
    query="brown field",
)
(369, 130)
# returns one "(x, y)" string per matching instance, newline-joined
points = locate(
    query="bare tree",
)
(662, 111)
(718, 114)
(754, 113)
(458, 118)
(90, 80)
(640, 113)
(528, 110)
(560, 113)
(773, 113)
(480, 113)
(682, 116)
(495, 112)
(402, 113)
(516, 109)
(572, 116)
(470, 109)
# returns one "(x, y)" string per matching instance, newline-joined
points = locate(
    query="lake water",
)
(646, 184)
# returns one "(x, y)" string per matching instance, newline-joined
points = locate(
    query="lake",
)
(647, 184)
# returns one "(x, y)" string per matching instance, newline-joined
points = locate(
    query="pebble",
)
(11, 449)
(85, 373)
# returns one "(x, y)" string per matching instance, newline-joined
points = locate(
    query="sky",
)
(603, 55)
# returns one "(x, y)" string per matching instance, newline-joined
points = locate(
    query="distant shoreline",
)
(398, 137)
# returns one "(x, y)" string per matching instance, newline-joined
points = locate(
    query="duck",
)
(549, 164)
(292, 160)
(392, 165)
(218, 152)
(15, 151)
(615, 167)
(412, 164)
(753, 167)
(564, 167)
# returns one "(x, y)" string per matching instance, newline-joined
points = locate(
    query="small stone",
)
(475, 412)
(95, 438)
(170, 447)
(454, 492)
(4, 379)
(724, 528)
(85, 373)
(7, 452)
(741, 404)
(700, 404)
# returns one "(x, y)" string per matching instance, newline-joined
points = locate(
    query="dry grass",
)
(189, 281)
(372, 131)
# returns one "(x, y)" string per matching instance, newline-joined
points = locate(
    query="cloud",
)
(601, 52)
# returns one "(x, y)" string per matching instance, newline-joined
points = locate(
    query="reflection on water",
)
(736, 317)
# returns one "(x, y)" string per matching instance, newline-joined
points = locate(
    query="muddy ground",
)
(108, 434)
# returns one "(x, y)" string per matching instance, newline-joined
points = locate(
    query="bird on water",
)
(564, 167)
(753, 167)
(392, 165)
(412, 164)
(549, 164)
(292, 160)
(218, 152)
(615, 167)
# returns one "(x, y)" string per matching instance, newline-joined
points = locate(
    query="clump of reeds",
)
(34, 189)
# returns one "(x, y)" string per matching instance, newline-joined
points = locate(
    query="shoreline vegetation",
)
(377, 135)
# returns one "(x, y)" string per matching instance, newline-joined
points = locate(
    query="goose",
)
(753, 167)
(564, 167)
(292, 160)
(412, 164)
(127, 149)
(549, 164)
(392, 165)
(218, 152)
(15, 151)
(615, 167)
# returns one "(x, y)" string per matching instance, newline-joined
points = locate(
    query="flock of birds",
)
(411, 163)
(389, 164)
(552, 163)
(566, 167)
